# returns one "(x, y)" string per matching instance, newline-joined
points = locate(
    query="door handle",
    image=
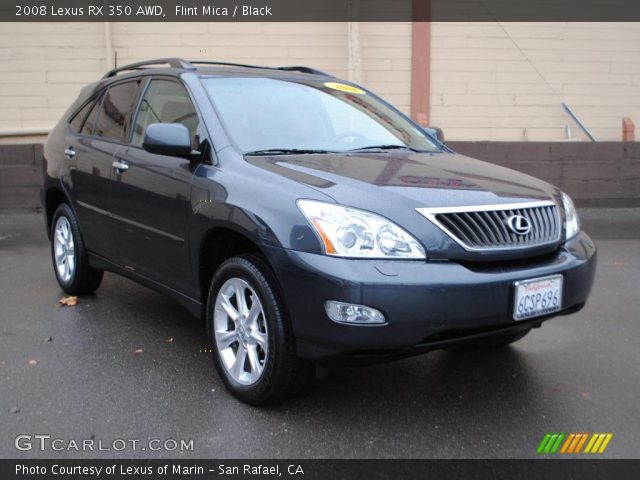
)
(120, 166)
(70, 152)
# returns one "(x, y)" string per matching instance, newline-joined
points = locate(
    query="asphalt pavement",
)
(127, 364)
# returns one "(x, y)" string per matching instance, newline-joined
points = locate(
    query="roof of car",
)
(179, 65)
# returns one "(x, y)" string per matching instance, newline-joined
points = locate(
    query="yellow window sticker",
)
(344, 88)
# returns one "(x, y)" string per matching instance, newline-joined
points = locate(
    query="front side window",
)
(115, 108)
(265, 114)
(165, 101)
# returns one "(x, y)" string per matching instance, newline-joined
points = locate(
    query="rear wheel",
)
(501, 339)
(251, 335)
(69, 255)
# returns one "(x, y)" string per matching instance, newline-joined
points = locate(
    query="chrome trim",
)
(120, 166)
(430, 214)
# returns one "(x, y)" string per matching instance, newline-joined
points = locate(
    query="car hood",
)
(437, 179)
(394, 184)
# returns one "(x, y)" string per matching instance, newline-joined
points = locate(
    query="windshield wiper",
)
(385, 147)
(286, 151)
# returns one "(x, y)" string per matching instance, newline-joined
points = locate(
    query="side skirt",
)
(193, 306)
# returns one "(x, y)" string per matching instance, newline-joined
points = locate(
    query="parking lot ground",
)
(126, 363)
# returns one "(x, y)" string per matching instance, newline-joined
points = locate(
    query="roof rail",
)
(172, 62)
(189, 65)
(225, 64)
(294, 68)
(303, 69)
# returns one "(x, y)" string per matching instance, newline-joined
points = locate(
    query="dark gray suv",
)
(305, 219)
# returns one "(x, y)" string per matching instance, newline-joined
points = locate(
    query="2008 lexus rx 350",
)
(305, 219)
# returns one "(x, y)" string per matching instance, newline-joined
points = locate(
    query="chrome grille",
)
(487, 227)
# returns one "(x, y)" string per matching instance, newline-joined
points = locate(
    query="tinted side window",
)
(115, 109)
(78, 119)
(165, 102)
(87, 128)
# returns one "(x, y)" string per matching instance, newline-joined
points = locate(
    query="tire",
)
(254, 354)
(500, 340)
(69, 255)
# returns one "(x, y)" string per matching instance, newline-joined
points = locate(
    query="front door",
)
(151, 193)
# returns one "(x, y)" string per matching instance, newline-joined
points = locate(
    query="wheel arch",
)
(218, 244)
(53, 197)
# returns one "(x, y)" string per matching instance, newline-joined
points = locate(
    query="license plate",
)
(537, 297)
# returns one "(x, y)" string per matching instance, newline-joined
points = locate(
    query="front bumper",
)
(427, 305)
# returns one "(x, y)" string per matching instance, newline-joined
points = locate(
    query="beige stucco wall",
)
(489, 81)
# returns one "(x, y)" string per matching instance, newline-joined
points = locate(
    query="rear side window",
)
(87, 128)
(165, 102)
(115, 109)
(78, 119)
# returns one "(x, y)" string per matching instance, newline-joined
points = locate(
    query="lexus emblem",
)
(519, 224)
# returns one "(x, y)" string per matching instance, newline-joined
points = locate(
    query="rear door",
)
(152, 192)
(90, 153)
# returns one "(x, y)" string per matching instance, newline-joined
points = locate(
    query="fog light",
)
(350, 313)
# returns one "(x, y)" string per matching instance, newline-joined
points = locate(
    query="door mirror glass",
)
(172, 139)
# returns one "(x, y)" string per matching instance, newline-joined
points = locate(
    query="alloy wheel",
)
(240, 331)
(64, 249)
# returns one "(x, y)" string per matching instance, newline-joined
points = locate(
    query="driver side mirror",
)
(171, 139)
(435, 132)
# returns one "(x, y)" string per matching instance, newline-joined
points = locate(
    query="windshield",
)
(262, 114)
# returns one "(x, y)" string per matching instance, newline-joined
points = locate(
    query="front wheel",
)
(250, 334)
(69, 255)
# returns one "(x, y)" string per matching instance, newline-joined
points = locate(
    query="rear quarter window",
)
(87, 127)
(78, 119)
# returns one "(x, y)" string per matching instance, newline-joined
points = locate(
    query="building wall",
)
(489, 81)
(506, 81)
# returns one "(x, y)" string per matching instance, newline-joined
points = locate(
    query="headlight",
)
(571, 220)
(348, 232)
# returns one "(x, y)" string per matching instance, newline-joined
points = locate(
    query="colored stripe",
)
(605, 443)
(567, 442)
(547, 449)
(584, 439)
(543, 442)
(554, 449)
(575, 442)
(596, 445)
(594, 437)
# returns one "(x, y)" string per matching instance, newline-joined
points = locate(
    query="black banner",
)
(319, 469)
(318, 10)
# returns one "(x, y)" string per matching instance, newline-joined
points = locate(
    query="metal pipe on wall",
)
(108, 47)
(355, 53)
(353, 43)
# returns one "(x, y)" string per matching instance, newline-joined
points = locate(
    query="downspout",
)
(108, 47)
(353, 44)
(355, 53)
(421, 63)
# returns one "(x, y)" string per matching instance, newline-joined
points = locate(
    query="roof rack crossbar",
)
(172, 62)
